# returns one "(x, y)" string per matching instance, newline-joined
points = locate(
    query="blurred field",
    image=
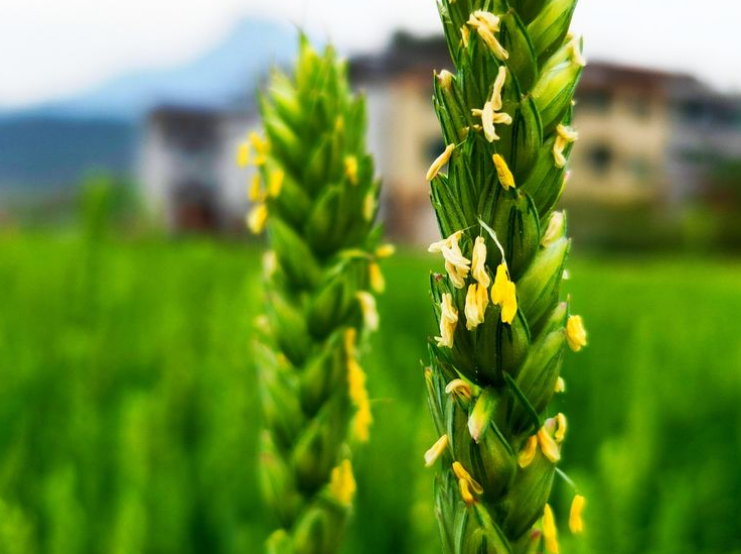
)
(128, 416)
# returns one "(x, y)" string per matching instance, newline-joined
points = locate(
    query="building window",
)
(596, 100)
(640, 168)
(692, 111)
(640, 107)
(600, 158)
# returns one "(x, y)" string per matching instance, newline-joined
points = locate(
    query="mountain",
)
(41, 151)
(54, 143)
(221, 77)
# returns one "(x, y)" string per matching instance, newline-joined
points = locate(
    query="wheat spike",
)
(505, 116)
(316, 195)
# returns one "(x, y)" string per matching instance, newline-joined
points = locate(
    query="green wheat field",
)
(129, 417)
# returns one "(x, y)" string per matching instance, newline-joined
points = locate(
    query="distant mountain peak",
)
(221, 77)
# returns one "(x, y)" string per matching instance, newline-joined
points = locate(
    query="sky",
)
(55, 48)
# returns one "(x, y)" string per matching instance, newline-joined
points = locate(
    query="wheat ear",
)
(316, 194)
(505, 116)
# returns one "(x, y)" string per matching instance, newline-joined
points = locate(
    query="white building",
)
(647, 141)
(188, 168)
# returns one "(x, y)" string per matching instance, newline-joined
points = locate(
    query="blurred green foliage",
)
(100, 203)
(128, 416)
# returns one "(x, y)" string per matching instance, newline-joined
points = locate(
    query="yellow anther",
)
(385, 251)
(437, 449)
(496, 95)
(362, 421)
(448, 321)
(490, 40)
(456, 265)
(483, 19)
(369, 206)
(561, 426)
(469, 487)
(276, 182)
(504, 294)
(478, 262)
(377, 282)
(460, 388)
(506, 179)
(466, 493)
(527, 454)
(564, 136)
(576, 523)
(256, 193)
(490, 118)
(440, 162)
(487, 122)
(350, 337)
(358, 393)
(261, 148)
(342, 483)
(356, 379)
(560, 385)
(257, 219)
(576, 335)
(351, 169)
(445, 78)
(477, 299)
(368, 307)
(567, 133)
(550, 534)
(465, 36)
(502, 118)
(548, 446)
(243, 154)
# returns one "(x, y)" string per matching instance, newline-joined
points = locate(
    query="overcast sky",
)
(52, 48)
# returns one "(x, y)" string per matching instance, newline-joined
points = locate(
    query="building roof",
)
(199, 111)
(601, 75)
(409, 56)
(406, 56)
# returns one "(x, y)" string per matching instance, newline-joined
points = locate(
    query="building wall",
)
(621, 155)
(166, 165)
(404, 138)
(416, 133)
(154, 170)
(631, 152)
(234, 181)
(703, 136)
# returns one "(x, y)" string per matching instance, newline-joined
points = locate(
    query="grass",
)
(128, 404)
